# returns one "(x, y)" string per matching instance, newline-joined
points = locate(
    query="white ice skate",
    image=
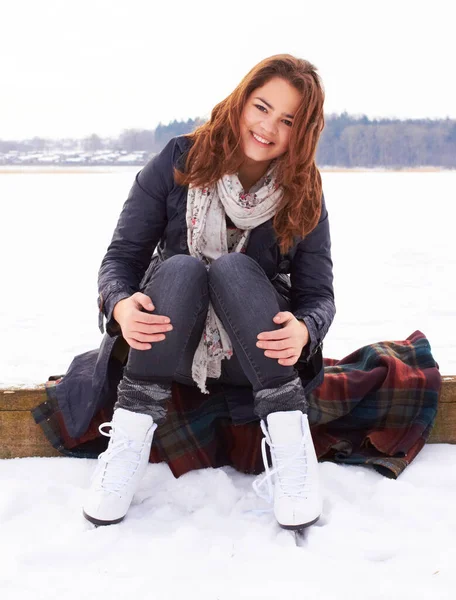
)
(120, 467)
(293, 482)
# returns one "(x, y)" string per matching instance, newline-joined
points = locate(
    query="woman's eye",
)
(263, 109)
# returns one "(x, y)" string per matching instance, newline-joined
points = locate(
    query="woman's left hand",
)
(285, 344)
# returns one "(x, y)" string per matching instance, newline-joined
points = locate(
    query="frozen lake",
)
(393, 248)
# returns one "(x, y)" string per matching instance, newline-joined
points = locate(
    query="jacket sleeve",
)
(312, 293)
(141, 224)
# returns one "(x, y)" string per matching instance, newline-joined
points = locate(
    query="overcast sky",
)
(72, 68)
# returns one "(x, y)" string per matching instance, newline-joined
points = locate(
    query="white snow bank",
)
(198, 537)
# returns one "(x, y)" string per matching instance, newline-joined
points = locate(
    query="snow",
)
(202, 535)
(198, 537)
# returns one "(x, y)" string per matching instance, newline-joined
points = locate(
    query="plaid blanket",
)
(375, 407)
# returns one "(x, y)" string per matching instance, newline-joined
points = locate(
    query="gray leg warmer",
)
(143, 396)
(288, 396)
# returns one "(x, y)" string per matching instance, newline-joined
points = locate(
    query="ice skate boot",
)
(293, 482)
(120, 467)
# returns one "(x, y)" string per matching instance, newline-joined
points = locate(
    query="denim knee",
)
(183, 263)
(228, 265)
(183, 267)
(178, 289)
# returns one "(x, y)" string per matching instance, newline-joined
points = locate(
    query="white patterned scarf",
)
(207, 240)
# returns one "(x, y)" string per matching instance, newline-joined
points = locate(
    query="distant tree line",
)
(346, 141)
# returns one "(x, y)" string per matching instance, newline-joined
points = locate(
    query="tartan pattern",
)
(375, 407)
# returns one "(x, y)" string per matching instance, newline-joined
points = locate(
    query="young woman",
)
(233, 209)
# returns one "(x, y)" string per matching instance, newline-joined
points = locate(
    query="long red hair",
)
(300, 207)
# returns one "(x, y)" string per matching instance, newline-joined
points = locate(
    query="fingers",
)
(277, 334)
(147, 329)
(144, 341)
(144, 323)
(140, 341)
(140, 328)
(286, 355)
(144, 300)
(137, 345)
(280, 353)
(144, 329)
(144, 317)
(287, 362)
(279, 345)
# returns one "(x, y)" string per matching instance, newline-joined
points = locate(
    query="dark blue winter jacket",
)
(153, 219)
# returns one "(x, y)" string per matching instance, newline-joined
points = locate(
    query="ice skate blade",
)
(299, 527)
(98, 522)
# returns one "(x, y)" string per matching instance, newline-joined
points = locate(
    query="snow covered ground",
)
(199, 536)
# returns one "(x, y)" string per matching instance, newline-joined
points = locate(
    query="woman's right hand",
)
(139, 328)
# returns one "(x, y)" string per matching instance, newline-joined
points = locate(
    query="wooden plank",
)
(20, 436)
(444, 430)
(17, 398)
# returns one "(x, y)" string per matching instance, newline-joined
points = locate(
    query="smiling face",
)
(266, 120)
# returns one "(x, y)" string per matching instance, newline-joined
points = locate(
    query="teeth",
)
(260, 139)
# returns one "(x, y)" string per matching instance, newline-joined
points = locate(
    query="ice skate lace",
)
(286, 456)
(113, 479)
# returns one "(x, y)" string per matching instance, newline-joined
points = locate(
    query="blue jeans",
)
(245, 301)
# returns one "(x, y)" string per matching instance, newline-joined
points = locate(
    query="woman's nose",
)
(269, 127)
